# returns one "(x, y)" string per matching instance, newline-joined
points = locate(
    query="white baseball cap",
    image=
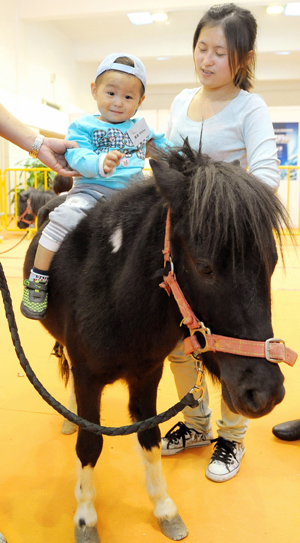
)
(109, 64)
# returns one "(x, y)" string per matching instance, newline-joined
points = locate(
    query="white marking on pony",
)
(69, 427)
(116, 240)
(164, 507)
(85, 494)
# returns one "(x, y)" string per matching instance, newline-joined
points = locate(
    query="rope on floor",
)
(187, 400)
(7, 251)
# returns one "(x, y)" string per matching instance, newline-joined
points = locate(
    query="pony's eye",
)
(205, 270)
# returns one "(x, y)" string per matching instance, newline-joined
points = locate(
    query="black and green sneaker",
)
(35, 300)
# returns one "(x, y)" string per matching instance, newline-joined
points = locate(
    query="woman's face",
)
(211, 58)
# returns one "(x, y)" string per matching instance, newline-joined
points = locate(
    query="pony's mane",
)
(227, 204)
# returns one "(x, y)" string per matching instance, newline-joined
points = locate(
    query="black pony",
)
(107, 308)
(29, 203)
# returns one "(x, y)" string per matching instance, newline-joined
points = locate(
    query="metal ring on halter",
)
(204, 331)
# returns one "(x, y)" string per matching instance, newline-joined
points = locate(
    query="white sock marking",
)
(164, 507)
(85, 495)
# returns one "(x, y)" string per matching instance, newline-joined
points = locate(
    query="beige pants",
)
(231, 426)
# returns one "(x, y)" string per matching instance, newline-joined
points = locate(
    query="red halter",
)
(29, 211)
(273, 349)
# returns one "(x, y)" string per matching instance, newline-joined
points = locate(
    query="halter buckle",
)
(268, 342)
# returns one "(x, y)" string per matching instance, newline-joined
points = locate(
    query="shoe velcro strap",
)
(36, 285)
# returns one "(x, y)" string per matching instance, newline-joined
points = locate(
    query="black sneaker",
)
(35, 300)
(176, 441)
(225, 461)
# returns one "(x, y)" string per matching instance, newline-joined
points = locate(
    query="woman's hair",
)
(62, 183)
(240, 29)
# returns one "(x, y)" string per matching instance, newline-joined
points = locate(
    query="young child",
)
(112, 149)
(62, 184)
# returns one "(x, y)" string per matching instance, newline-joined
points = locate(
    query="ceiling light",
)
(293, 8)
(146, 18)
(140, 18)
(163, 58)
(275, 9)
(159, 17)
(282, 52)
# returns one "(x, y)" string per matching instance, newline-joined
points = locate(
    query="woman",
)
(232, 125)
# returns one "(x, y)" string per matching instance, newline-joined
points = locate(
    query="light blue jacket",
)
(95, 138)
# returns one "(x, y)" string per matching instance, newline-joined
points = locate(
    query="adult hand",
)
(52, 153)
(52, 150)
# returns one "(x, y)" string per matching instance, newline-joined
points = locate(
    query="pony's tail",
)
(63, 364)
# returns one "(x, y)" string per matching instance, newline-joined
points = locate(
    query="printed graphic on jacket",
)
(113, 138)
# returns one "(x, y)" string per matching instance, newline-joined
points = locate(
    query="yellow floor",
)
(38, 472)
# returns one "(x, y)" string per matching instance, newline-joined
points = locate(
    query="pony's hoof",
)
(68, 428)
(86, 534)
(2, 539)
(173, 529)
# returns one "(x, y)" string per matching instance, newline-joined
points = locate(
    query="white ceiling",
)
(99, 27)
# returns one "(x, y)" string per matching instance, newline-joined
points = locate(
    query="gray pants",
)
(231, 426)
(65, 217)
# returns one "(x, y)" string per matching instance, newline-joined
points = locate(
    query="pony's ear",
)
(171, 183)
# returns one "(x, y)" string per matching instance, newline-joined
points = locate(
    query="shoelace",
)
(174, 435)
(223, 449)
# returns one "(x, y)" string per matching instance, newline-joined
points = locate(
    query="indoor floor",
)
(38, 463)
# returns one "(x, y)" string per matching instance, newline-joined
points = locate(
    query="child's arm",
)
(88, 162)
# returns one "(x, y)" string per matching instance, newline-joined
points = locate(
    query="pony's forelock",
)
(226, 205)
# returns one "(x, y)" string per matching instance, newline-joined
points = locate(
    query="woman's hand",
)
(52, 154)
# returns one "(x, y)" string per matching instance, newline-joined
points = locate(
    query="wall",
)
(289, 193)
(37, 62)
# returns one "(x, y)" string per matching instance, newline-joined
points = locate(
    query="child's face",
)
(211, 58)
(118, 96)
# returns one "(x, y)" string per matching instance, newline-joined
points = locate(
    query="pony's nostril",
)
(259, 402)
(255, 400)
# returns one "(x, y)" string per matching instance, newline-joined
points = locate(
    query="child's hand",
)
(150, 148)
(112, 160)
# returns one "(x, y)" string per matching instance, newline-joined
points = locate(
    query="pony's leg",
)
(86, 517)
(143, 406)
(88, 449)
(165, 510)
(69, 427)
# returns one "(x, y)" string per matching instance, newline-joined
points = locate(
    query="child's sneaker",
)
(176, 441)
(225, 461)
(35, 300)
